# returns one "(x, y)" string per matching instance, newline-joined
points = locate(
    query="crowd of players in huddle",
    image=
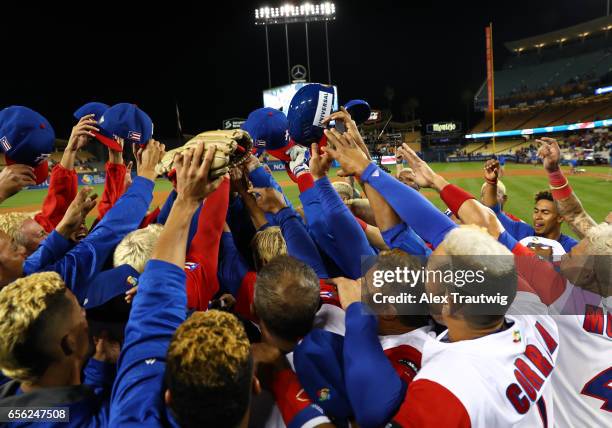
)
(229, 307)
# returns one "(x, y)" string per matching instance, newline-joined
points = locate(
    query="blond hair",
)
(345, 190)
(471, 240)
(21, 305)
(137, 246)
(600, 240)
(600, 249)
(10, 223)
(267, 244)
(209, 348)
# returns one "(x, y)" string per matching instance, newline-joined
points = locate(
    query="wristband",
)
(305, 181)
(454, 196)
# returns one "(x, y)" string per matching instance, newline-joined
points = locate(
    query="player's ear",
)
(560, 219)
(167, 397)
(255, 386)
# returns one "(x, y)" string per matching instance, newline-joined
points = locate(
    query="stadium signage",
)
(233, 123)
(433, 128)
(544, 130)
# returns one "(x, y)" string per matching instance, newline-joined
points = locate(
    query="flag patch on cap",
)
(135, 136)
(5, 144)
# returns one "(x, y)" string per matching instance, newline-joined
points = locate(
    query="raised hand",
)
(127, 180)
(192, 168)
(351, 128)
(344, 149)
(550, 153)
(77, 212)
(268, 199)
(82, 132)
(15, 177)
(491, 170)
(349, 290)
(299, 160)
(424, 176)
(319, 163)
(148, 158)
(107, 350)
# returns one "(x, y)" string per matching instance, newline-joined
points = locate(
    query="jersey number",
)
(600, 387)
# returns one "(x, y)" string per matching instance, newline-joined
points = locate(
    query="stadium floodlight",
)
(289, 14)
(603, 90)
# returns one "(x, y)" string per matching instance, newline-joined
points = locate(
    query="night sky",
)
(212, 61)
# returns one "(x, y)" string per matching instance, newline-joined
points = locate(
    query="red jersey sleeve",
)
(114, 186)
(203, 254)
(244, 300)
(540, 275)
(63, 188)
(429, 404)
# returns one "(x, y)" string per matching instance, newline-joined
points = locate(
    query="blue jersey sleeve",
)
(403, 237)
(262, 178)
(158, 310)
(165, 212)
(412, 207)
(99, 375)
(351, 241)
(232, 267)
(374, 388)
(517, 229)
(80, 265)
(299, 243)
(53, 248)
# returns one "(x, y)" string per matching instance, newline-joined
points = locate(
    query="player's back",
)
(499, 380)
(582, 380)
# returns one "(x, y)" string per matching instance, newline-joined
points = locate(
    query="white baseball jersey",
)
(582, 380)
(499, 380)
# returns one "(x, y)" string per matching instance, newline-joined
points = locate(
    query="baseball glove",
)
(233, 147)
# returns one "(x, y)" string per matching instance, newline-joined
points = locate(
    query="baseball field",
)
(594, 187)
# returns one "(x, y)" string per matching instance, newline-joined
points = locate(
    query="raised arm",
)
(63, 184)
(159, 307)
(491, 174)
(86, 259)
(568, 204)
(351, 241)
(299, 243)
(114, 182)
(413, 208)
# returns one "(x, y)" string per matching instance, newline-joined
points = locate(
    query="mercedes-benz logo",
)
(299, 72)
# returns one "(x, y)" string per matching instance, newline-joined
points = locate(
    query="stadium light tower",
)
(290, 14)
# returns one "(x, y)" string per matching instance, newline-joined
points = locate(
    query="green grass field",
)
(522, 181)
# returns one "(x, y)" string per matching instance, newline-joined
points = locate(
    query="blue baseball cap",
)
(126, 121)
(268, 129)
(95, 108)
(359, 110)
(309, 106)
(26, 137)
(318, 363)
